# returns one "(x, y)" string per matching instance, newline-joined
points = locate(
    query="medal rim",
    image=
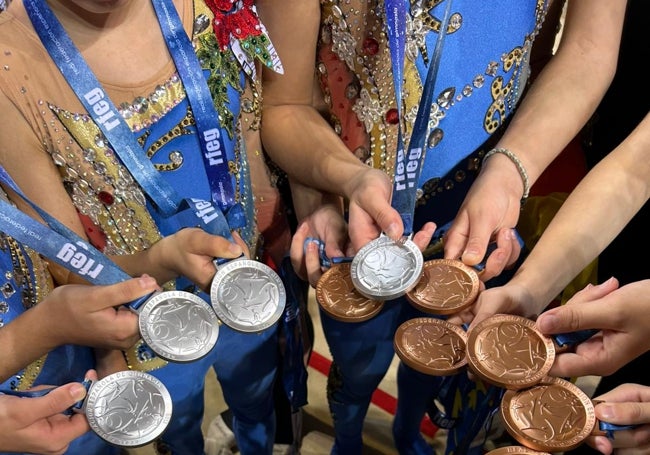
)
(444, 311)
(477, 333)
(231, 267)
(98, 386)
(382, 242)
(164, 354)
(452, 330)
(516, 432)
(321, 296)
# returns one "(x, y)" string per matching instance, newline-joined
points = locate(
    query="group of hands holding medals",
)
(132, 408)
(542, 413)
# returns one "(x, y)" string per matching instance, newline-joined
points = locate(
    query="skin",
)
(577, 235)
(74, 314)
(189, 252)
(627, 404)
(37, 425)
(580, 71)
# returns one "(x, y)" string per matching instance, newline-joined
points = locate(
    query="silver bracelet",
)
(520, 168)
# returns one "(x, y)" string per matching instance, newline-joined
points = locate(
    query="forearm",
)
(567, 91)
(591, 217)
(21, 346)
(299, 139)
(306, 200)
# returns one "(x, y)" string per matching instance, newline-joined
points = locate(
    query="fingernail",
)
(146, 281)
(392, 231)
(235, 249)
(78, 392)
(606, 411)
(547, 322)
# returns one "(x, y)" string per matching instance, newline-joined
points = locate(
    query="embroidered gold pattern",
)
(34, 282)
(348, 25)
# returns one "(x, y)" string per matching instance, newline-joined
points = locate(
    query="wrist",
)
(519, 166)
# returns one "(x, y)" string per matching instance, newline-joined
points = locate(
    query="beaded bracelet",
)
(518, 164)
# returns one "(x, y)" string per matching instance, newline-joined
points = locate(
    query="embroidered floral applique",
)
(237, 27)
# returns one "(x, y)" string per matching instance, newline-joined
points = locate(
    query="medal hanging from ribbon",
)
(385, 269)
(246, 294)
(178, 326)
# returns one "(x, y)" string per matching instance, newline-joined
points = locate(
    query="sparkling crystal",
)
(8, 290)
(444, 99)
(435, 137)
(176, 158)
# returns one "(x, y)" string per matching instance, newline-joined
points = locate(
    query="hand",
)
(327, 225)
(38, 425)
(490, 207)
(627, 404)
(93, 316)
(190, 252)
(370, 212)
(508, 299)
(621, 315)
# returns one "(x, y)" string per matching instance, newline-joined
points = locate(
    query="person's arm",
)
(301, 141)
(590, 218)
(73, 314)
(556, 106)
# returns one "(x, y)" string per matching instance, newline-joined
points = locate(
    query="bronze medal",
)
(338, 297)
(447, 286)
(553, 416)
(508, 351)
(431, 346)
(515, 450)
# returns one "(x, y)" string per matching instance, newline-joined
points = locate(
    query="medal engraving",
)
(129, 408)
(178, 326)
(447, 286)
(507, 351)
(337, 296)
(431, 346)
(385, 269)
(247, 295)
(554, 416)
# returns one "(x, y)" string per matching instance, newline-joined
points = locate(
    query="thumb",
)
(57, 401)
(124, 292)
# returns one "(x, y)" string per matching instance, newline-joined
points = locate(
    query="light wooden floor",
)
(317, 440)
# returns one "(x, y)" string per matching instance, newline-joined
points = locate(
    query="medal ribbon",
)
(107, 117)
(409, 165)
(58, 243)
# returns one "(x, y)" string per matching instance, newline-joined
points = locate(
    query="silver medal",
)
(129, 408)
(247, 295)
(385, 269)
(178, 326)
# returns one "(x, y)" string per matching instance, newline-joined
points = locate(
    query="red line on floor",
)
(380, 398)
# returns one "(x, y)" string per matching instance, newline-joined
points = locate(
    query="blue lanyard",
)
(58, 243)
(408, 164)
(107, 117)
